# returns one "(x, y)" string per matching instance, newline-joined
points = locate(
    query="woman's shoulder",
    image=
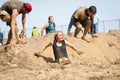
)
(66, 41)
(52, 42)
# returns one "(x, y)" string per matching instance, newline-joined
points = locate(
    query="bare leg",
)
(70, 26)
(6, 18)
(16, 33)
(77, 30)
(87, 27)
(9, 37)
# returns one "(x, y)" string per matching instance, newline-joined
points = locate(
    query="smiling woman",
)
(59, 48)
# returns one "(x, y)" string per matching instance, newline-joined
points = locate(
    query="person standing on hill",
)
(1, 38)
(49, 26)
(82, 17)
(59, 48)
(35, 31)
(8, 13)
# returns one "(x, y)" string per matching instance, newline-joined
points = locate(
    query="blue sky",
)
(63, 9)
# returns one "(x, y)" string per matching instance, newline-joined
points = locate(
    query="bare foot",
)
(21, 42)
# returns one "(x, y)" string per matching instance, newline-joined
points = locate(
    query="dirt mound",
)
(100, 59)
(102, 50)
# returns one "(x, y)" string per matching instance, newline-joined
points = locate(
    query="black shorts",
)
(76, 21)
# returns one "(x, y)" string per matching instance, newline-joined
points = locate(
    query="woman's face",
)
(51, 19)
(60, 36)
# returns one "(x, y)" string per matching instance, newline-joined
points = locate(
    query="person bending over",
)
(82, 17)
(9, 12)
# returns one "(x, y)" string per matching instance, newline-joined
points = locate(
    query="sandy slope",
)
(100, 60)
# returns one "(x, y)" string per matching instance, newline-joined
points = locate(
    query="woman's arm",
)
(38, 53)
(49, 44)
(70, 45)
(73, 47)
(43, 28)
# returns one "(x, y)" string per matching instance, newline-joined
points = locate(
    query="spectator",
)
(49, 26)
(1, 38)
(35, 31)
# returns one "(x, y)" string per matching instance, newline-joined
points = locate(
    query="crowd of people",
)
(81, 18)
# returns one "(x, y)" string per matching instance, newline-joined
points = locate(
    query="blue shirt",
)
(50, 28)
